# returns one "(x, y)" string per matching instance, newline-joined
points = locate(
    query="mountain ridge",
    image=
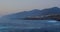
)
(35, 12)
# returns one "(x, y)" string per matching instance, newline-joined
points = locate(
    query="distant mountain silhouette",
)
(54, 10)
(24, 14)
(35, 12)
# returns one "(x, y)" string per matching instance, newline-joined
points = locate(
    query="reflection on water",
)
(30, 26)
(52, 21)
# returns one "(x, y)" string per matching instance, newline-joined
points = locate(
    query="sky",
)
(14, 6)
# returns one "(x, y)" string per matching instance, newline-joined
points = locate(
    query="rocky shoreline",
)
(45, 17)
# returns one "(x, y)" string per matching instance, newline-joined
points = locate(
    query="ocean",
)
(30, 26)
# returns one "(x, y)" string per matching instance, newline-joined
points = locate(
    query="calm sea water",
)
(27, 25)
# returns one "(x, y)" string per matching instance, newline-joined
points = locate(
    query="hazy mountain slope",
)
(24, 14)
(54, 10)
(35, 12)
